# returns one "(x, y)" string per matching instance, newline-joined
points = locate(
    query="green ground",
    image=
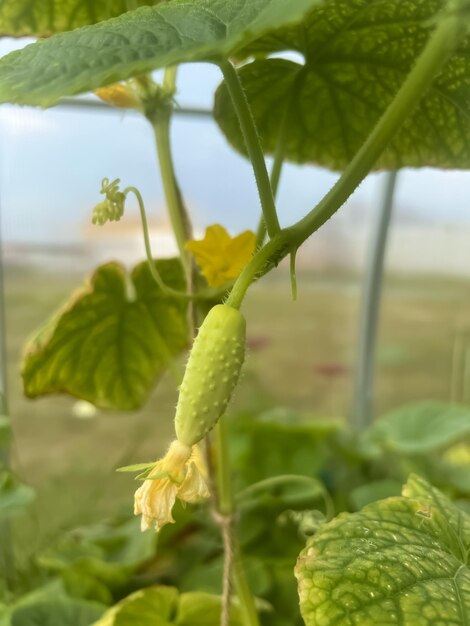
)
(302, 356)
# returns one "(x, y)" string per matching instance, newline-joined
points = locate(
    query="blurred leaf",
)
(113, 339)
(138, 42)
(40, 18)
(153, 606)
(220, 256)
(356, 56)
(14, 496)
(421, 428)
(97, 562)
(57, 613)
(203, 609)
(5, 615)
(208, 576)
(123, 542)
(5, 431)
(161, 606)
(278, 442)
(400, 561)
(373, 491)
(278, 493)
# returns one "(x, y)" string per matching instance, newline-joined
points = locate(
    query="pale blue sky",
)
(52, 163)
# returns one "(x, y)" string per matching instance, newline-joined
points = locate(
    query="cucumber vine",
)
(163, 36)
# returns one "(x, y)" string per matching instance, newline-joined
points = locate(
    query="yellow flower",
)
(119, 95)
(180, 474)
(220, 256)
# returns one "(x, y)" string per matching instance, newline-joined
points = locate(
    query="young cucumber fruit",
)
(211, 374)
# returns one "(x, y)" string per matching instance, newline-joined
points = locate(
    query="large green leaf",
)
(162, 606)
(139, 41)
(57, 613)
(400, 561)
(203, 609)
(154, 606)
(40, 18)
(112, 340)
(5, 431)
(14, 496)
(357, 54)
(421, 428)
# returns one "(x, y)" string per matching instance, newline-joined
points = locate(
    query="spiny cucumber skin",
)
(211, 374)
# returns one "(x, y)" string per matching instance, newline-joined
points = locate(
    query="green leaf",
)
(357, 54)
(153, 606)
(173, 32)
(112, 340)
(280, 493)
(14, 496)
(120, 542)
(279, 442)
(5, 431)
(376, 490)
(203, 609)
(400, 561)
(137, 467)
(57, 613)
(162, 606)
(421, 428)
(40, 18)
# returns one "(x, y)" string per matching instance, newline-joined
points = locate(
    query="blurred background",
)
(302, 354)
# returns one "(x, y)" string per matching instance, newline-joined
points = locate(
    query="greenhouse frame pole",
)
(363, 400)
(6, 551)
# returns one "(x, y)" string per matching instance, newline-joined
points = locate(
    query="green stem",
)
(274, 250)
(209, 294)
(161, 126)
(224, 480)
(250, 134)
(449, 32)
(226, 509)
(148, 250)
(274, 178)
(362, 413)
(245, 597)
(276, 168)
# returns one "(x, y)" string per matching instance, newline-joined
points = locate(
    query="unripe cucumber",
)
(211, 374)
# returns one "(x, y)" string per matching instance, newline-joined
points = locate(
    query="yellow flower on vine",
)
(220, 256)
(180, 474)
(119, 95)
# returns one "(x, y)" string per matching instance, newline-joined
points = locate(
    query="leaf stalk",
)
(255, 152)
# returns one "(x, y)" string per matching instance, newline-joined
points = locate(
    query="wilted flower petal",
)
(180, 474)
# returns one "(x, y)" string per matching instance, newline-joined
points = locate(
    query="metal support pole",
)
(363, 401)
(6, 548)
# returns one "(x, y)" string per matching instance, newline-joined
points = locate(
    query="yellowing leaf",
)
(220, 256)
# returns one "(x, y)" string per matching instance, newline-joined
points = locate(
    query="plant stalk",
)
(176, 209)
(226, 509)
(362, 411)
(179, 217)
(255, 152)
(274, 178)
(450, 31)
(278, 162)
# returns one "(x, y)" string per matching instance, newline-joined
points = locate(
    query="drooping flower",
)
(180, 474)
